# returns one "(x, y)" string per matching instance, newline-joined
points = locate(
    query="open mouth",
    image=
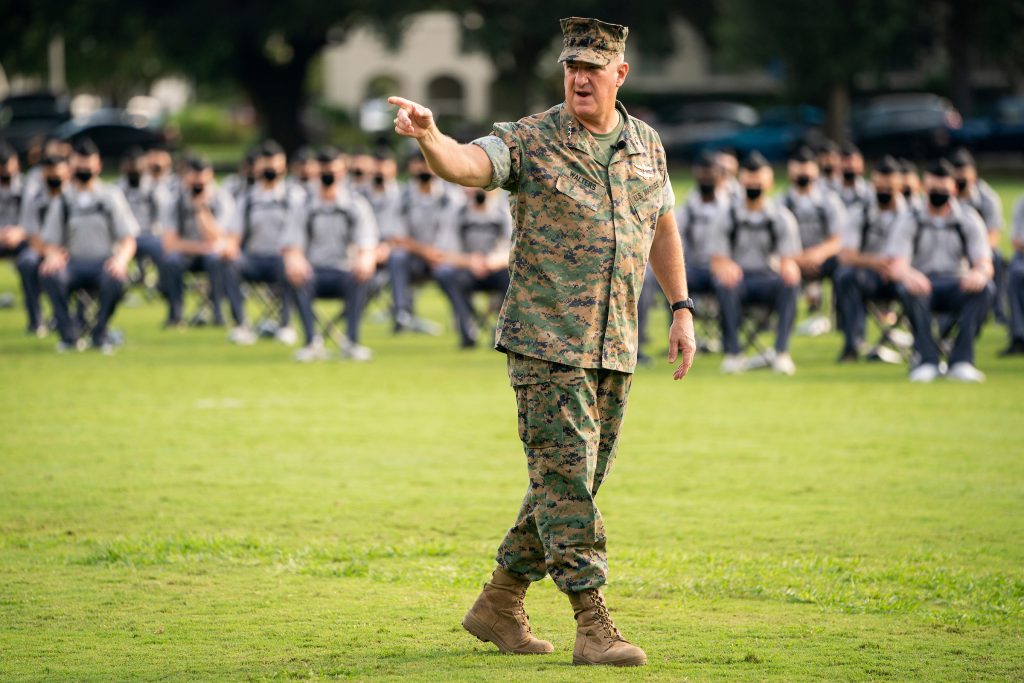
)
(582, 95)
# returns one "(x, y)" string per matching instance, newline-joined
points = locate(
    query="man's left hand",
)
(117, 267)
(682, 343)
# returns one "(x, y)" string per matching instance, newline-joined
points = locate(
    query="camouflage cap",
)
(591, 41)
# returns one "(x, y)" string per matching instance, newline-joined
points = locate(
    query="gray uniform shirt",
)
(819, 214)
(386, 205)
(941, 245)
(756, 240)
(328, 230)
(263, 218)
(854, 195)
(479, 229)
(424, 217)
(983, 199)
(699, 221)
(1018, 222)
(10, 203)
(868, 228)
(33, 210)
(144, 201)
(177, 215)
(88, 224)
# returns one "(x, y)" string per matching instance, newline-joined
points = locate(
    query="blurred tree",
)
(821, 46)
(518, 35)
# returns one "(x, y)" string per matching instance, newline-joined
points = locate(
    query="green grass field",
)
(191, 510)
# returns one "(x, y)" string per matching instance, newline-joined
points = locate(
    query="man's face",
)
(852, 163)
(59, 171)
(192, 178)
(159, 162)
(305, 170)
(419, 169)
(91, 163)
(761, 178)
(266, 166)
(887, 183)
(912, 181)
(965, 177)
(829, 162)
(10, 169)
(590, 90)
(939, 184)
(387, 168)
(796, 169)
(730, 163)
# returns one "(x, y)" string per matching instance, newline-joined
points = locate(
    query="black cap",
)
(85, 147)
(940, 169)
(270, 148)
(961, 158)
(328, 154)
(755, 161)
(802, 154)
(887, 165)
(828, 147)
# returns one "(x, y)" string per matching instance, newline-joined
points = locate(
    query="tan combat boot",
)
(597, 639)
(498, 616)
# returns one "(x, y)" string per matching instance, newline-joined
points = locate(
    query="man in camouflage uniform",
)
(590, 199)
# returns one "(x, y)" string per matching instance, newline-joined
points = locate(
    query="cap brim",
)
(598, 57)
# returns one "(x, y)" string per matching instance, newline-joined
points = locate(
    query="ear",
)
(622, 70)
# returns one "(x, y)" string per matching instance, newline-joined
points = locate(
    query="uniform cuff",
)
(501, 159)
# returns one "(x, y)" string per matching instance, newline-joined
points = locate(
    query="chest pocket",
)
(581, 192)
(645, 192)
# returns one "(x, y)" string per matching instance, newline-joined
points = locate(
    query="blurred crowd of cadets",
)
(916, 252)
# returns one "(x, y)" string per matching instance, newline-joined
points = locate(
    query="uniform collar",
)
(573, 134)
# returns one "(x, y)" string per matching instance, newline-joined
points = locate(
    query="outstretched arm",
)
(466, 165)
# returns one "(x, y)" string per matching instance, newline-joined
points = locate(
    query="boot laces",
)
(520, 614)
(604, 617)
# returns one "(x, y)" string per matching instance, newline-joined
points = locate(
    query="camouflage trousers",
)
(569, 420)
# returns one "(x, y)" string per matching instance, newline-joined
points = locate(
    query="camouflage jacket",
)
(582, 236)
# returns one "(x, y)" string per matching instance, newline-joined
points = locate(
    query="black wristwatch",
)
(685, 303)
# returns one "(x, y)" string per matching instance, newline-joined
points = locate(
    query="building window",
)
(446, 97)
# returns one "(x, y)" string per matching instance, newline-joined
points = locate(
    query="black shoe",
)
(1016, 348)
(848, 356)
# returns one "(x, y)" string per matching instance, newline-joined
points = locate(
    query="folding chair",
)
(86, 304)
(201, 291)
(895, 342)
(757, 319)
(270, 300)
(706, 323)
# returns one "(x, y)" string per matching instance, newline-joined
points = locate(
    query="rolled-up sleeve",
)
(502, 148)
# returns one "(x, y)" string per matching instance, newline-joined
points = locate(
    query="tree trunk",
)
(837, 112)
(958, 34)
(278, 94)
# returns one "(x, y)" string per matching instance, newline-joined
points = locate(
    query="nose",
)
(581, 78)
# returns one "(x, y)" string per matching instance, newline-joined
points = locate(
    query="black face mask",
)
(424, 177)
(849, 176)
(326, 179)
(907, 193)
(134, 178)
(803, 180)
(480, 198)
(53, 182)
(884, 198)
(754, 193)
(250, 179)
(197, 189)
(827, 169)
(270, 174)
(83, 175)
(5, 178)
(961, 185)
(378, 180)
(707, 191)
(357, 173)
(938, 199)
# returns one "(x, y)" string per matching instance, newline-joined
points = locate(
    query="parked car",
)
(1001, 131)
(24, 117)
(115, 131)
(686, 129)
(780, 131)
(909, 125)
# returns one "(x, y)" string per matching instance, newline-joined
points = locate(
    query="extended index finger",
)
(403, 103)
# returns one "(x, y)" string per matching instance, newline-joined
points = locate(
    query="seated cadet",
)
(193, 236)
(752, 261)
(704, 212)
(820, 216)
(362, 167)
(13, 239)
(143, 199)
(911, 185)
(161, 172)
(330, 251)
(979, 195)
(1015, 285)
(303, 172)
(853, 189)
(427, 207)
(473, 257)
(863, 273)
(237, 184)
(384, 195)
(88, 244)
(255, 231)
(51, 147)
(827, 156)
(928, 255)
(730, 164)
(53, 177)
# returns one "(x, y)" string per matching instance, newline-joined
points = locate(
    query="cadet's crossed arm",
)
(466, 165)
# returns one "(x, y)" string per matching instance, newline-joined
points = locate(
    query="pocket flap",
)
(589, 197)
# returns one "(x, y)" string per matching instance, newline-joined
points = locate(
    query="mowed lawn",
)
(189, 510)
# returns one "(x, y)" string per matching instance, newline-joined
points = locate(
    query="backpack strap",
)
(865, 227)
